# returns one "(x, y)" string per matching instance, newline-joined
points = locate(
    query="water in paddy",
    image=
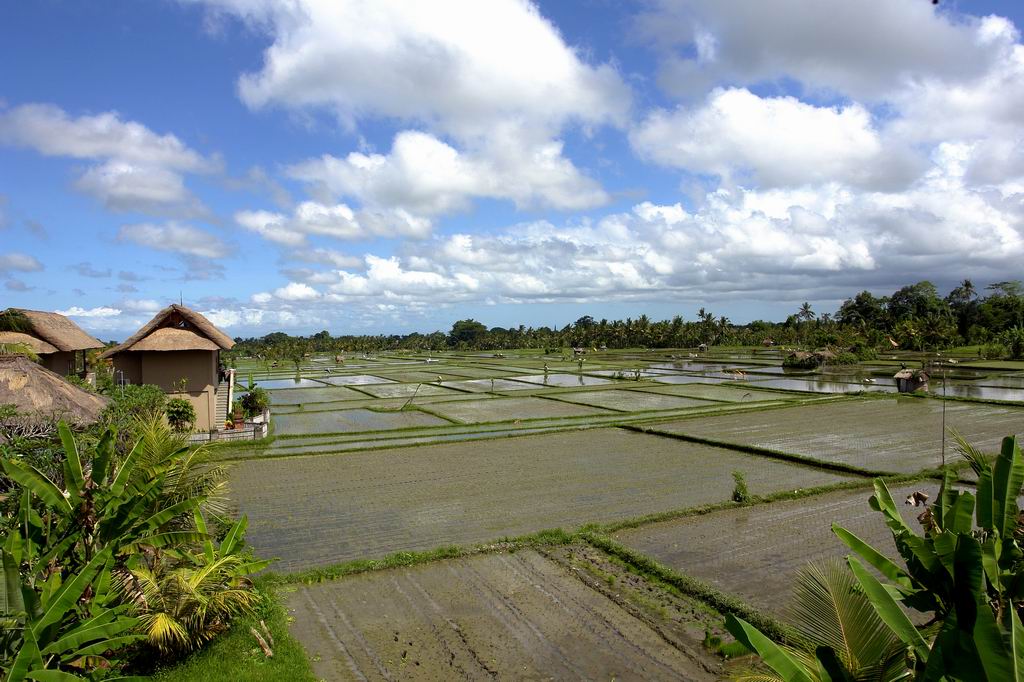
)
(563, 380)
(625, 373)
(356, 379)
(822, 385)
(1006, 381)
(686, 379)
(288, 383)
(963, 390)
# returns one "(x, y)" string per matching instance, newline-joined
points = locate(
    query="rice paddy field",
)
(419, 493)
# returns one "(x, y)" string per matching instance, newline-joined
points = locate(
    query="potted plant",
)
(255, 403)
(180, 414)
(237, 412)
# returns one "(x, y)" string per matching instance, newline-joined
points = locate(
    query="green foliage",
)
(802, 361)
(993, 351)
(13, 320)
(235, 655)
(79, 535)
(739, 492)
(255, 401)
(181, 415)
(845, 358)
(1014, 340)
(130, 403)
(966, 570)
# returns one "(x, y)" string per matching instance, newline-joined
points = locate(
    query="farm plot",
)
(328, 508)
(687, 379)
(630, 401)
(825, 386)
(897, 435)
(405, 390)
(487, 385)
(300, 396)
(467, 372)
(505, 616)
(421, 377)
(732, 394)
(356, 380)
(509, 409)
(563, 380)
(340, 421)
(755, 552)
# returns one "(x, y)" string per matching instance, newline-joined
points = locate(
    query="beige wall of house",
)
(166, 368)
(62, 362)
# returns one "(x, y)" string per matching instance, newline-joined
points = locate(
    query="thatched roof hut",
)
(55, 331)
(179, 351)
(175, 328)
(38, 392)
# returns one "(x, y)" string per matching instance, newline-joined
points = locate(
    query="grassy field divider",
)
(755, 500)
(763, 452)
(692, 587)
(545, 538)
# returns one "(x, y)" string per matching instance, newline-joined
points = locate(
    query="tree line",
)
(915, 317)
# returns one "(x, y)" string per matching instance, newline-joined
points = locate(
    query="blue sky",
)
(362, 168)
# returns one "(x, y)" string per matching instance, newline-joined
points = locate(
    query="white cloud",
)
(427, 176)
(138, 170)
(459, 65)
(337, 221)
(20, 262)
(140, 305)
(867, 49)
(494, 83)
(101, 311)
(326, 257)
(774, 141)
(175, 237)
(296, 291)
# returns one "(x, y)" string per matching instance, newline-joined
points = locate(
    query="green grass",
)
(236, 656)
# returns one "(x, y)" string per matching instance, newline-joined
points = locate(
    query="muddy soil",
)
(755, 552)
(498, 616)
(325, 509)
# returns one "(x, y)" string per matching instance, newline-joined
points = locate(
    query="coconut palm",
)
(843, 637)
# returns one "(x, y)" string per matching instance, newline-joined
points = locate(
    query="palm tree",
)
(805, 313)
(843, 636)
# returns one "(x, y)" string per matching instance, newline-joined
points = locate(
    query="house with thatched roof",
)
(61, 345)
(179, 351)
(39, 394)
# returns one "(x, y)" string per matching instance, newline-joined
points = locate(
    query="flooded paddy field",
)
(338, 421)
(896, 435)
(497, 616)
(302, 396)
(322, 509)
(629, 401)
(509, 409)
(755, 552)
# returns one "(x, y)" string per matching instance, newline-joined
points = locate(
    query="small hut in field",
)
(179, 351)
(60, 343)
(42, 395)
(910, 380)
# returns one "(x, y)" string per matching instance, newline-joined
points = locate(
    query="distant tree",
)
(466, 333)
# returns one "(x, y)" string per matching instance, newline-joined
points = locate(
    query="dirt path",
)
(492, 617)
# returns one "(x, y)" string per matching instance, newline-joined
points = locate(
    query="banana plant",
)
(966, 570)
(57, 608)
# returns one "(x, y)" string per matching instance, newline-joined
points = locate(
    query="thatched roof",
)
(170, 338)
(34, 390)
(57, 331)
(38, 346)
(175, 328)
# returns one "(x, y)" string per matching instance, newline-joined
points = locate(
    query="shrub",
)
(1014, 339)
(739, 491)
(845, 358)
(864, 351)
(254, 402)
(993, 351)
(180, 414)
(802, 361)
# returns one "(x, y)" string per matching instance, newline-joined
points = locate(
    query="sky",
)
(390, 166)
